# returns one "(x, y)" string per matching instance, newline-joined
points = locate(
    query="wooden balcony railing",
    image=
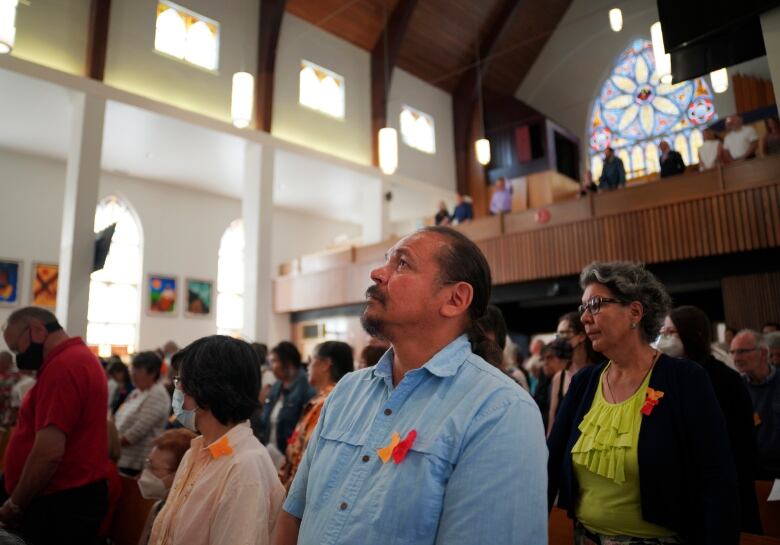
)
(730, 209)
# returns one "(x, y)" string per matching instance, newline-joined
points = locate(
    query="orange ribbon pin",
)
(651, 400)
(386, 452)
(220, 448)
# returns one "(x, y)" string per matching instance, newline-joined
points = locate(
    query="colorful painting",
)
(10, 272)
(44, 285)
(162, 294)
(199, 297)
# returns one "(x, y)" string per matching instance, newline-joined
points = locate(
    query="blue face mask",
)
(185, 417)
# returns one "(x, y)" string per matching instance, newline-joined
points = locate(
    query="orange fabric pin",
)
(651, 400)
(386, 452)
(756, 419)
(402, 448)
(220, 448)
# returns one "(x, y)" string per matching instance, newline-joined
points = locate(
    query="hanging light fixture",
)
(388, 150)
(663, 60)
(481, 146)
(388, 136)
(7, 25)
(242, 99)
(616, 19)
(720, 80)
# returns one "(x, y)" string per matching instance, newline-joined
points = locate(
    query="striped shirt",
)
(140, 419)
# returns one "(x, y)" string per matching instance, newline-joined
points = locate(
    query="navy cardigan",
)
(295, 399)
(686, 469)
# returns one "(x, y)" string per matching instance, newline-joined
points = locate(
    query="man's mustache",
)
(373, 292)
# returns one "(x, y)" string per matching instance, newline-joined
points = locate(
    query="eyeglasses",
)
(594, 305)
(148, 465)
(742, 351)
(565, 334)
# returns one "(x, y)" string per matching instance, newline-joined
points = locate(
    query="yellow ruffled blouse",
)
(606, 465)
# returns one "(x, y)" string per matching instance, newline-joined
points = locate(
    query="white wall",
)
(53, 33)
(350, 137)
(133, 64)
(583, 49)
(181, 229)
(437, 168)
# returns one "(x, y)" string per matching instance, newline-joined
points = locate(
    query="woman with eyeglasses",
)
(687, 333)
(571, 330)
(639, 452)
(160, 468)
(226, 489)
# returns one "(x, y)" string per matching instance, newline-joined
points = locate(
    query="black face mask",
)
(32, 358)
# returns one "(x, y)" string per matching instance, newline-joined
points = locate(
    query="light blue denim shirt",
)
(476, 473)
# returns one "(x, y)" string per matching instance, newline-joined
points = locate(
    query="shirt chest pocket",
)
(410, 496)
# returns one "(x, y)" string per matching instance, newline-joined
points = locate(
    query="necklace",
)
(656, 353)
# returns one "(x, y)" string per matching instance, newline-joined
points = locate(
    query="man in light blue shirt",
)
(433, 445)
(501, 201)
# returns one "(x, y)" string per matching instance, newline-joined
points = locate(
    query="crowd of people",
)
(632, 418)
(737, 142)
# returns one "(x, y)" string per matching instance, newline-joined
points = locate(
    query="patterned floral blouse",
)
(299, 440)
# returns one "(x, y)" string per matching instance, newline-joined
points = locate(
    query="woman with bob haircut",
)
(226, 489)
(639, 452)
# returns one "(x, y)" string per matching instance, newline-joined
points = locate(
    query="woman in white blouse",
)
(143, 415)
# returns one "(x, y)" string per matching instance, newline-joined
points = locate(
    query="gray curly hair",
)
(629, 281)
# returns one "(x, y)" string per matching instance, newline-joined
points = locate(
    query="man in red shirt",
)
(55, 463)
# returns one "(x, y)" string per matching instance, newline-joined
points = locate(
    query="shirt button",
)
(343, 505)
(366, 457)
(388, 411)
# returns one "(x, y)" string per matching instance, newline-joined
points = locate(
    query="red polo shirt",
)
(72, 394)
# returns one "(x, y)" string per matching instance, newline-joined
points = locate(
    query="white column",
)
(376, 211)
(257, 212)
(770, 26)
(77, 241)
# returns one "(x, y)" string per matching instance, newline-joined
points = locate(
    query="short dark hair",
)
(116, 366)
(24, 315)
(287, 353)
(695, 331)
(222, 374)
(461, 260)
(493, 322)
(371, 354)
(340, 355)
(560, 348)
(149, 362)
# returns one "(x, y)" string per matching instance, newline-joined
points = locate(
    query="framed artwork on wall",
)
(162, 295)
(44, 284)
(199, 297)
(10, 274)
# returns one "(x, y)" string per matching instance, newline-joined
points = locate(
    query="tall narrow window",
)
(186, 35)
(417, 129)
(321, 90)
(113, 314)
(634, 108)
(230, 281)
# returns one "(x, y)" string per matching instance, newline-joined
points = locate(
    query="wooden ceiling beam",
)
(271, 15)
(464, 97)
(97, 39)
(382, 64)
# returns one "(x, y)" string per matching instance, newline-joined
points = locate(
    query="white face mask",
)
(671, 345)
(152, 487)
(186, 417)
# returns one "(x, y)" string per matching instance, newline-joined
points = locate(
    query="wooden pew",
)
(130, 515)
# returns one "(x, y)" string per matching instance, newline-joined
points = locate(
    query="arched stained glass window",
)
(635, 111)
(230, 281)
(114, 312)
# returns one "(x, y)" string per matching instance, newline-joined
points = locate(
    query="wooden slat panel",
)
(745, 174)
(751, 300)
